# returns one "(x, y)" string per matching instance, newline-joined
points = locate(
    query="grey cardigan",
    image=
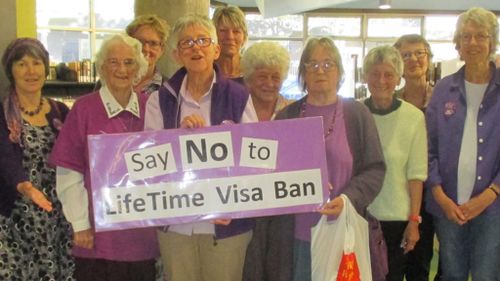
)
(368, 159)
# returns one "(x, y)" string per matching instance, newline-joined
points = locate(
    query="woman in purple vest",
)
(196, 96)
(125, 255)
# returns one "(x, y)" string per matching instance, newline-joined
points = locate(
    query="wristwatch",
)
(415, 218)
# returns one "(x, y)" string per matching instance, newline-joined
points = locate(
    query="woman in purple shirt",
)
(115, 255)
(355, 160)
(464, 154)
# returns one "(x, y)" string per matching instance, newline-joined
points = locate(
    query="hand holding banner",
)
(229, 171)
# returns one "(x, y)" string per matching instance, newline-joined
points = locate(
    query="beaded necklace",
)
(330, 127)
(34, 112)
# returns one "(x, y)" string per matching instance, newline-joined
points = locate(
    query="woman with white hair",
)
(265, 67)
(464, 149)
(199, 95)
(401, 128)
(115, 108)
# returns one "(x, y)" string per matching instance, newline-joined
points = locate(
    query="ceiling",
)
(417, 5)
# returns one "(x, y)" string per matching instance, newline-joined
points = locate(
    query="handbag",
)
(340, 249)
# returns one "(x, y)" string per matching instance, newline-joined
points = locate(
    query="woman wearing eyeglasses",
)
(152, 31)
(464, 154)
(198, 95)
(417, 90)
(354, 156)
(125, 255)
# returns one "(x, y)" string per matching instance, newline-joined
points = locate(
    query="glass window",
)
(65, 13)
(351, 52)
(337, 26)
(290, 26)
(378, 27)
(66, 28)
(443, 51)
(113, 13)
(440, 27)
(65, 45)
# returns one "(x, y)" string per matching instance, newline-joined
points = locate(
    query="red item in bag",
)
(348, 269)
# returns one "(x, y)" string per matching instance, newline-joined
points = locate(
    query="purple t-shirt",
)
(88, 117)
(338, 158)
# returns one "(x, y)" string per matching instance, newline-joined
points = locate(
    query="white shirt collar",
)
(184, 92)
(112, 106)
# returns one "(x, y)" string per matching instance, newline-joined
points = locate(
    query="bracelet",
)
(494, 190)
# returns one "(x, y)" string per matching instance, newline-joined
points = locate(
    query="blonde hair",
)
(156, 23)
(231, 15)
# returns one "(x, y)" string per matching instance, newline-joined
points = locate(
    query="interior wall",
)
(8, 30)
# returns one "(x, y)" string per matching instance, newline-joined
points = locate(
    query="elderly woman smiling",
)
(464, 150)
(354, 156)
(401, 128)
(265, 67)
(152, 31)
(115, 108)
(232, 33)
(199, 95)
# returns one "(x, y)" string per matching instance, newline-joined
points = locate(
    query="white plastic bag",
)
(329, 241)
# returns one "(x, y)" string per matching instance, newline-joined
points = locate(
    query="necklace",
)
(330, 127)
(34, 112)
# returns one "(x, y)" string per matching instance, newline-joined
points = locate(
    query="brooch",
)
(450, 108)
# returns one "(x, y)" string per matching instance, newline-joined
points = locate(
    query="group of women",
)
(380, 153)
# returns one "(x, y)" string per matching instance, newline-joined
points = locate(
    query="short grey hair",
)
(192, 20)
(384, 54)
(133, 43)
(262, 54)
(482, 18)
(311, 45)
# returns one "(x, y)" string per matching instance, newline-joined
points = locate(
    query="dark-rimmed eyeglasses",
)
(201, 42)
(327, 66)
(419, 54)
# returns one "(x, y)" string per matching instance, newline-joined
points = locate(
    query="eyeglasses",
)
(479, 37)
(116, 63)
(419, 54)
(327, 66)
(153, 44)
(201, 42)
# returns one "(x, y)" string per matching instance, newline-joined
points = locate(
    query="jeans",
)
(471, 248)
